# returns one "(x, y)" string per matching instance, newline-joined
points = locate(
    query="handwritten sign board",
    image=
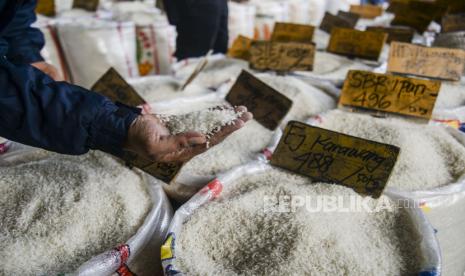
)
(389, 93)
(165, 172)
(453, 22)
(113, 86)
(46, 7)
(280, 56)
(290, 32)
(402, 34)
(396, 5)
(351, 17)
(88, 5)
(268, 106)
(332, 157)
(331, 21)
(354, 43)
(367, 11)
(417, 14)
(240, 48)
(441, 63)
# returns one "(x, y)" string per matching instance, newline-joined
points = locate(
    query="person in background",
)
(201, 26)
(38, 109)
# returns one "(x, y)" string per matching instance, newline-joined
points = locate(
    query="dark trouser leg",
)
(221, 43)
(197, 28)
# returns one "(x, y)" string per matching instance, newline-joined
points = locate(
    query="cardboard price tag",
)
(113, 86)
(290, 32)
(240, 48)
(332, 157)
(165, 172)
(331, 21)
(353, 43)
(268, 106)
(417, 14)
(453, 22)
(46, 7)
(441, 63)
(88, 5)
(349, 16)
(367, 11)
(402, 34)
(389, 93)
(280, 56)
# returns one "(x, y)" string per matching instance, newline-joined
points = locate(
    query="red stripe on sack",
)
(3, 148)
(124, 252)
(154, 49)
(124, 270)
(215, 187)
(126, 57)
(268, 154)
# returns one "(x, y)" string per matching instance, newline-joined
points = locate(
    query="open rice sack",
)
(220, 70)
(163, 88)
(432, 157)
(77, 215)
(92, 46)
(260, 220)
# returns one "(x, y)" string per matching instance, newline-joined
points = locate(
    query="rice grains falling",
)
(236, 235)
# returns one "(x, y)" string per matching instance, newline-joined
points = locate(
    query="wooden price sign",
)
(46, 7)
(353, 43)
(396, 5)
(367, 11)
(332, 157)
(268, 106)
(88, 5)
(290, 32)
(441, 63)
(280, 56)
(240, 48)
(165, 172)
(453, 22)
(417, 14)
(113, 86)
(331, 21)
(389, 93)
(349, 16)
(402, 34)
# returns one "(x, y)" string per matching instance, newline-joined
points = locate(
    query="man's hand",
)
(48, 69)
(149, 138)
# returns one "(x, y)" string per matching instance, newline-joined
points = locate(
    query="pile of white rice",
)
(237, 235)
(334, 67)
(430, 157)
(58, 212)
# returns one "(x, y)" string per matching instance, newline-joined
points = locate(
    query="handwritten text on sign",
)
(332, 157)
(113, 86)
(240, 48)
(388, 93)
(165, 172)
(290, 32)
(280, 56)
(353, 43)
(439, 63)
(268, 106)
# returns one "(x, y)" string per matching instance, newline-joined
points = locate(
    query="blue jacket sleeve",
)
(24, 41)
(57, 116)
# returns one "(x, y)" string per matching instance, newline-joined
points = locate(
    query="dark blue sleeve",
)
(24, 42)
(57, 116)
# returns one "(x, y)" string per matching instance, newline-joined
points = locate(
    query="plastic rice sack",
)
(92, 46)
(140, 249)
(241, 20)
(428, 245)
